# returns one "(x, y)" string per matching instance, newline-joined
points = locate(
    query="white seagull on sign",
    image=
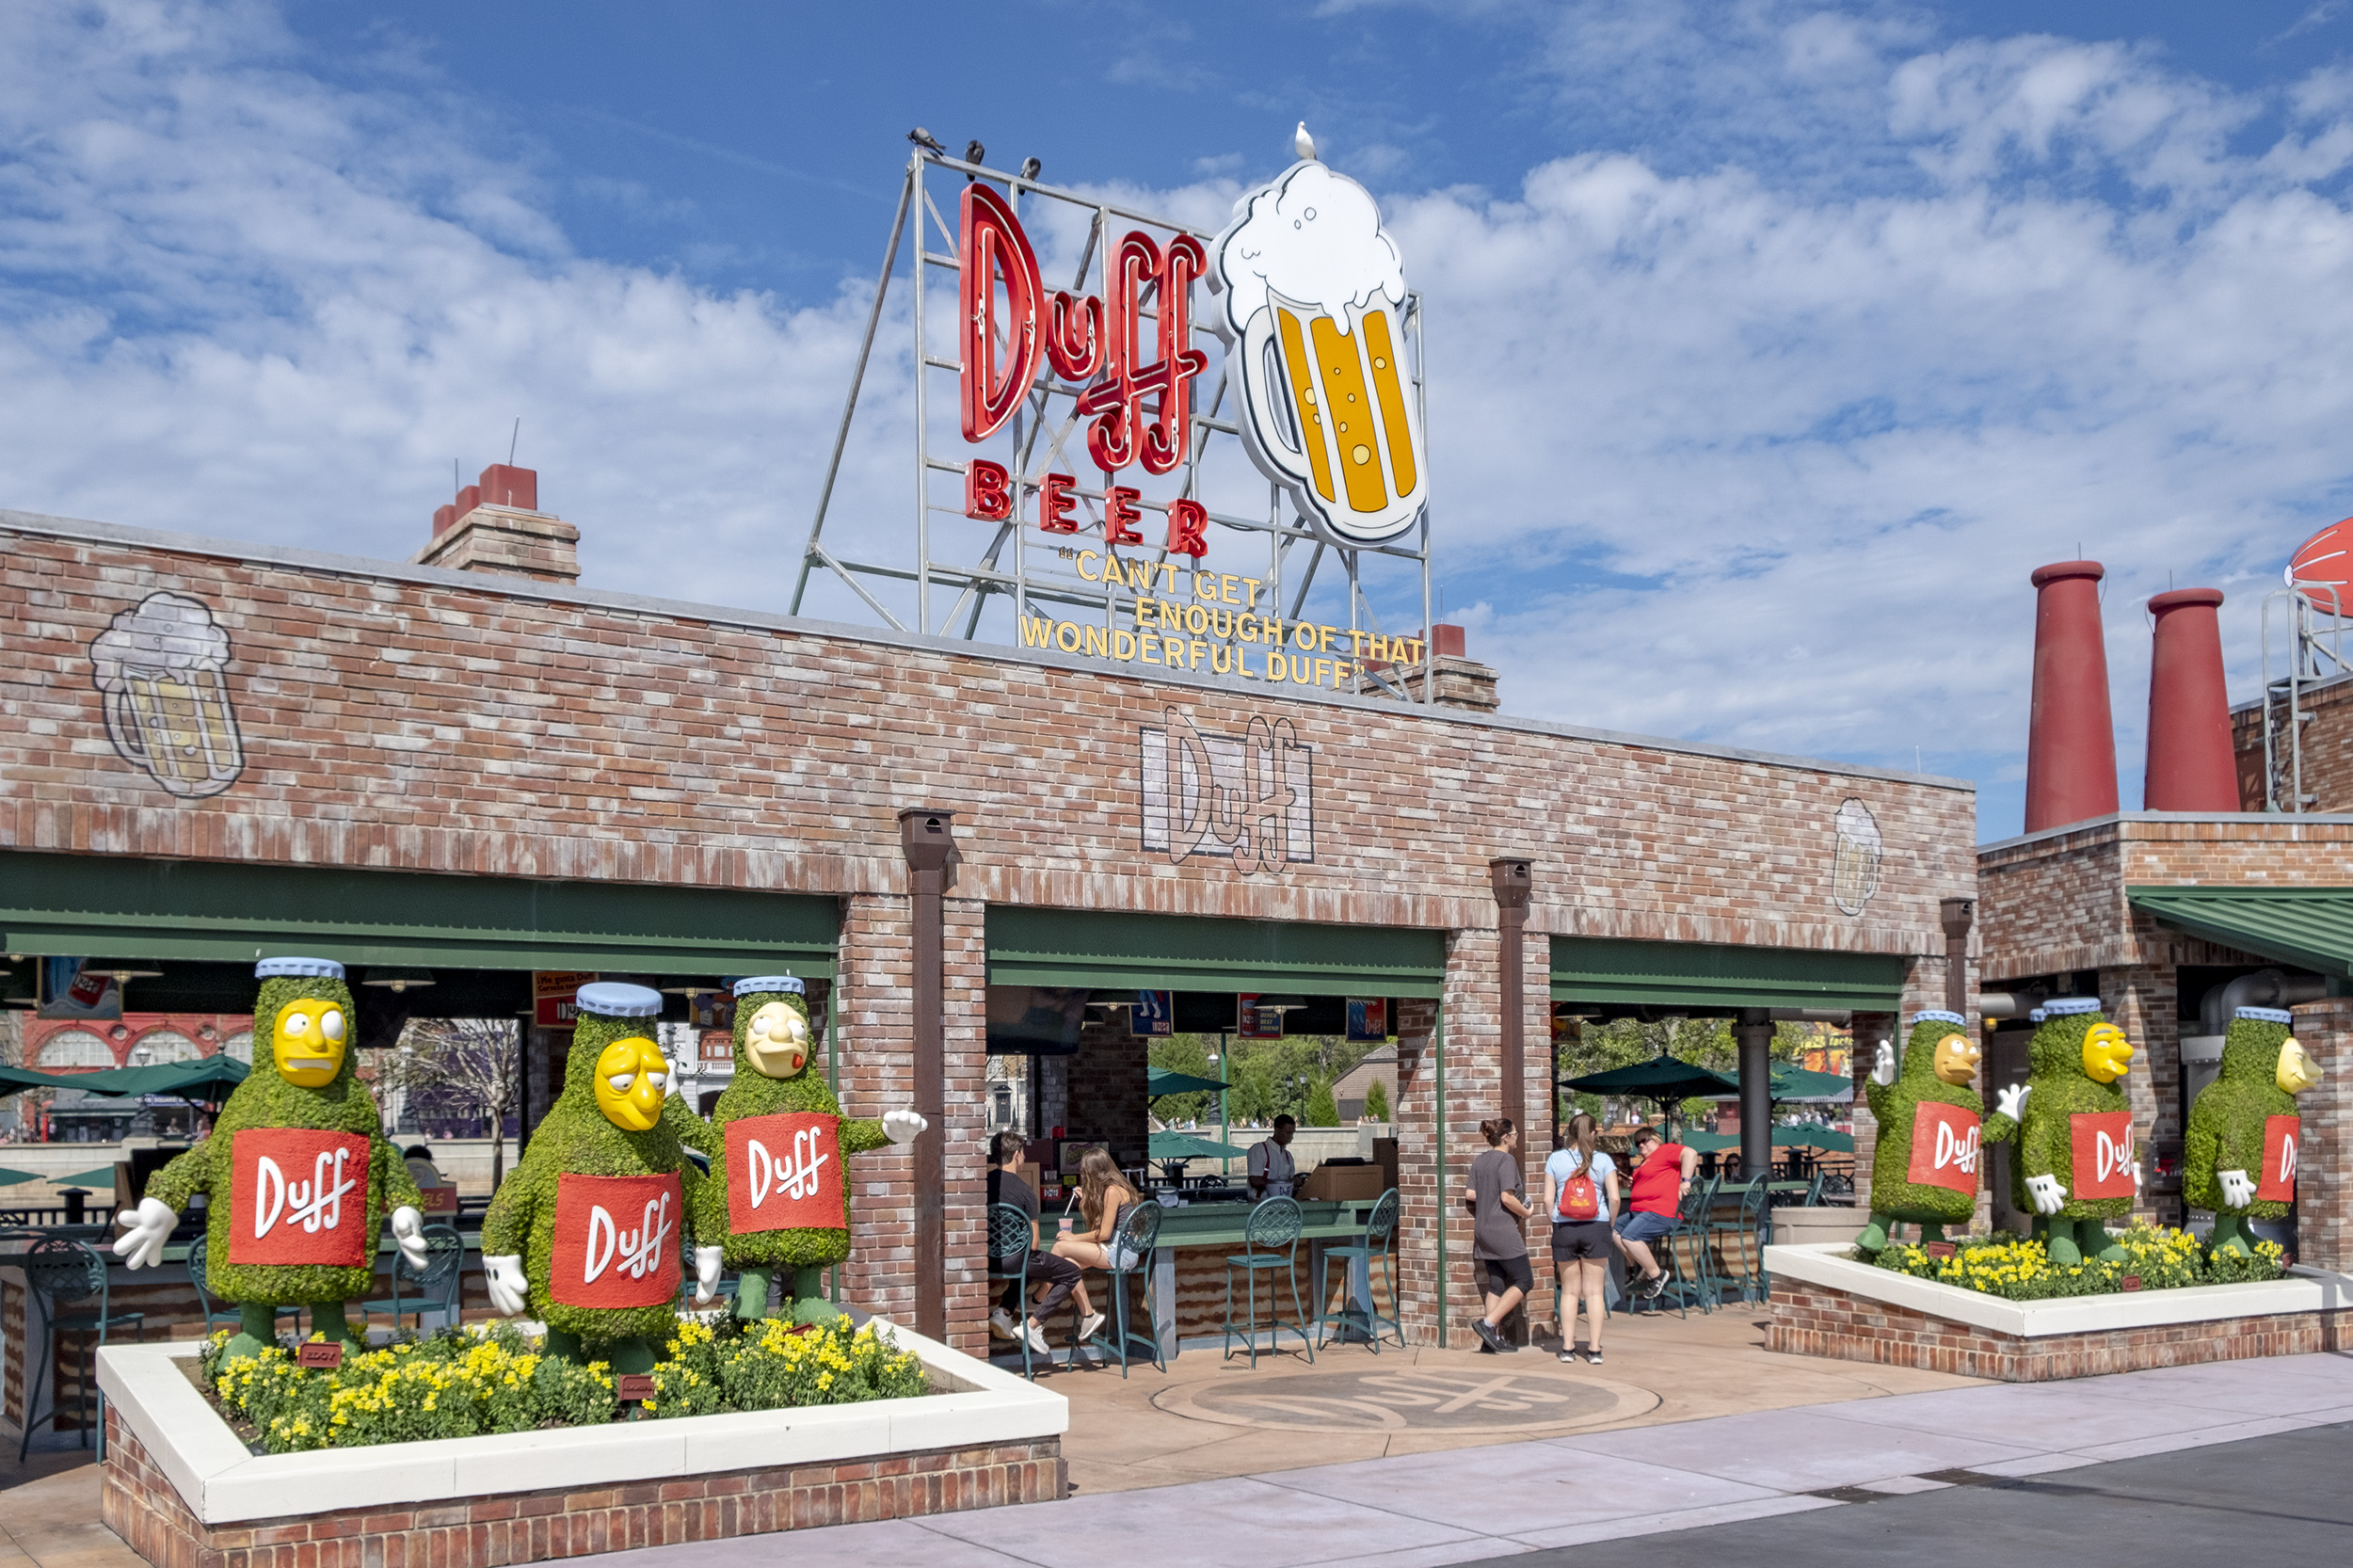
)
(1303, 144)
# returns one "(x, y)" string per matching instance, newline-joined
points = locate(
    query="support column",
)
(2324, 1154)
(1753, 1034)
(924, 836)
(1958, 914)
(1511, 879)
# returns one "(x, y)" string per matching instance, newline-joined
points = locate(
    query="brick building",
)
(212, 750)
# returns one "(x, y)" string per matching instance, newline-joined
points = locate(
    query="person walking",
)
(1497, 1199)
(1580, 1195)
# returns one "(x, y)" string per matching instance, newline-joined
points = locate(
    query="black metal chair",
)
(1011, 1237)
(1139, 1232)
(1380, 1241)
(60, 1273)
(1274, 1226)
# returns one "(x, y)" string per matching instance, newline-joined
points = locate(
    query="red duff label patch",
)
(298, 1196)
(617, 1240)
(784, 1172)
(2277, 1181)
(2103, 1143)
(1943, 1148)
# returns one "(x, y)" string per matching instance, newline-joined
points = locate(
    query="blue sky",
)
(1772, 345)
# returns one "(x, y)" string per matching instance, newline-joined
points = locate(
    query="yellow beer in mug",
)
(1336, 388)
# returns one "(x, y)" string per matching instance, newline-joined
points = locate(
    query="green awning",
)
(126, 906)
(1184, 953)
(1700, 974)
(2309, 927)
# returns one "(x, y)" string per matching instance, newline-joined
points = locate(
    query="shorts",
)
(1582, 1240)
(1647, 1226)
(1505, 1272)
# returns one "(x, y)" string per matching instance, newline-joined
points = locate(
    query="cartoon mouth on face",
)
(632, 1077)
(2107, 1055)
(1957, 1059)
(777, 1041)
(306, 1042)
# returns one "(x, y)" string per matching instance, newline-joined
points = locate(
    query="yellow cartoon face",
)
(2297, 1072)
(2107, 1055)
(776, 1040)
(307, 1041)
(1957, 1059)
(632, 1079)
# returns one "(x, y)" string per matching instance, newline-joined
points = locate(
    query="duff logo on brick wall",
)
(615, 1241)
(784, 1172)
(1943, 1148)
(2278, 1183)
(286, 1192)
(1249, 799)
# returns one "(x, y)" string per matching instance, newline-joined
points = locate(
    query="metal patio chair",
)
(437, 1282)
(1684, 1252)
(1380, 1242)
(1011, 1237)
(1270, 1241)
(1139, 1233)
(61, 1272)
(1750, 1230)
(199, 1262)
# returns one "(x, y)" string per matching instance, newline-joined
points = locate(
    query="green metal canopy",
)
(1186, 952)
(128, 906)
(1661, 1077)
(1701, 974)
(2309, 927)
(1168, 1080)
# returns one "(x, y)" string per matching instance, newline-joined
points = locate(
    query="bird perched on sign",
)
(1303, 144)
(780, 1197)
(297, 1175)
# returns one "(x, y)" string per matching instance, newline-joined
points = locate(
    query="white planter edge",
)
(1826, 1263)
(223, 1483)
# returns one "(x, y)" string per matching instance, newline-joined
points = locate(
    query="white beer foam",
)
(1313, 236)
(164, 631)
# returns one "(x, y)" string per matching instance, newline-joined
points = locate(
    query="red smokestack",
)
(2071, 739)
(2190, 765)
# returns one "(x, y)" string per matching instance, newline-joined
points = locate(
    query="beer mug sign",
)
(162, 666)
(1313, 320)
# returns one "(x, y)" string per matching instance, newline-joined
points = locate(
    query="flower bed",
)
(463, 1383)
(2156, 1257)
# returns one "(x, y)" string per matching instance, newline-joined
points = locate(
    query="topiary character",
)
(585, 1230)
(2076, 1167)
(296, 1172)
(778, 1194)
(2239, 1154)
(1925, 1166)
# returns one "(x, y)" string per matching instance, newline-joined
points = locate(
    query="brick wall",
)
(138, 1502)
(1106, 1080)
(2326, 745)
(2324, 1153)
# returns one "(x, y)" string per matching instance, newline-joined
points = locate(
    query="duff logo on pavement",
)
(1945, 1142)
(2278, 1183)
(2101, 1141)
(595, 1261)
(784, 1172)
(286, 1192)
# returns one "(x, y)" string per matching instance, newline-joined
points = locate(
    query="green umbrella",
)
(1186, 1145)
(1168, 1080)
(103, 1176)
(1812, 1135)
(1709, 1142)
(10, 1178)
(205, 1077)
(1661, 1077)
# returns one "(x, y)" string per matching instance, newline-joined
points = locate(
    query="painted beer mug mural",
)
(1313, 316)
(163, 669)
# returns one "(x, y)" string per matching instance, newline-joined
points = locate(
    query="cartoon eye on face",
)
(632, 1079)
(776, 1040)
(306, 1042)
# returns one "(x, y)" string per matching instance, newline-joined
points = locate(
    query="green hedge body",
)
(267, 1099)
(2058, 1089)
(575, 1138)
(2226, 1125)
(753, 1092)
(1891, 1193)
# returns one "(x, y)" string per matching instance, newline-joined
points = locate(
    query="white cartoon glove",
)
(409, 1235)
(503, 1273)
(146, 1227)
(708, 1263)
(2011, 1102)
(2238, 1188)
(2046, 1193)
(904, 1127)
(1883, 1066)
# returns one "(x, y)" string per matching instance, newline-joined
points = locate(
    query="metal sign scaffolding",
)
(1015, 560)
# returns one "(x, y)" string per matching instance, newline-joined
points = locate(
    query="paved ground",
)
(1715, 1490)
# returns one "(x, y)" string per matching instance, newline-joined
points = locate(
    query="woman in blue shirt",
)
(1580, 1195)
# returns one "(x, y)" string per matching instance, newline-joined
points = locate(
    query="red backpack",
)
(1580, 1201)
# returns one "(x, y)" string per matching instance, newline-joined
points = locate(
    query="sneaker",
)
(1037, 1340)
(1568, 1358)
(1653, 1287)
(1593, 1356)
(1089, 1325)
(1488, 1336)
(1000, 1324)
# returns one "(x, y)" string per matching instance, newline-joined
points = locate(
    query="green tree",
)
(1377, 1101)
(1186, 1053)
(1321, 1111)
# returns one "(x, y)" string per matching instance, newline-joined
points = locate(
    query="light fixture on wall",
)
(397, 980)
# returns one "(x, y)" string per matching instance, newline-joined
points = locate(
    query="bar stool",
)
(1380, 1241)
(1274, 1226)
(1011, 1237)
(61, 1271)
(1139, 1232)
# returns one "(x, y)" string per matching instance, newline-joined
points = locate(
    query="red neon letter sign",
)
(993, 242)
(1187, 527)
(1055, 504)
(1164, 440)
(1121, 514)
(987, 490)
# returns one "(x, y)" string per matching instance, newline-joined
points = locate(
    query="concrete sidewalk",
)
(1471, 1504)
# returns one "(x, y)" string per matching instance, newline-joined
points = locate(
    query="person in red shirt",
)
(1662, 1175)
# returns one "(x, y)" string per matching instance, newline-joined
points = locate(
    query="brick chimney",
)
(496, 526)
(1462, 682)
(2071, 738)
(2191, 767)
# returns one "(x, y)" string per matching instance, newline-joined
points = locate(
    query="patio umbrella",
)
(1709, 1142)
(1662, 1077)
(10, 1178)
(1168, 1080)
(1812, 1135)
(205, 1078)
(103, 1176)
(1186, 1145)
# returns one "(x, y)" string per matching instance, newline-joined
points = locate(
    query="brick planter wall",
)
(1816, 1320)
(140, 1504)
